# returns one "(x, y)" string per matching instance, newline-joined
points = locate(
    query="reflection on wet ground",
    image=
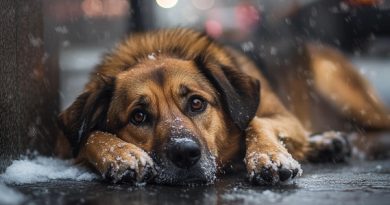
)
(354, 183)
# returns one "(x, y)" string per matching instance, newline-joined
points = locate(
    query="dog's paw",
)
(125, 164)
(329, 146)
(271, 169)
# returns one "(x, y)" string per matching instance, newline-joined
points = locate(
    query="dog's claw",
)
(284, 174)
(129, 175)
(294, 173)
(149, 174)
(266, 175)
(269, 176)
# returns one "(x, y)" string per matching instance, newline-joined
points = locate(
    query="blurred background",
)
(270, 31)
(58, 43)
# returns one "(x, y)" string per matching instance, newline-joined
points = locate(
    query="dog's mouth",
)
(204, 172)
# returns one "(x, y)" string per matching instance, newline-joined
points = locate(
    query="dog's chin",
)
(204, 172)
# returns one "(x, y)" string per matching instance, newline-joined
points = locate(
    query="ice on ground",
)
(9, 196)
(44, 169)
(252, 197)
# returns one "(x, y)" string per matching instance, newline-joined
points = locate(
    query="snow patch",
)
(44, 169)
(10, 196)
(152, 56)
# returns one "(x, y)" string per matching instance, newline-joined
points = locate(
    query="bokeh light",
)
(203, 4)
(166, 4)
(213, 28)
(105, 8)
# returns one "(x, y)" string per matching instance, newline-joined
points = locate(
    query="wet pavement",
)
(358, 182)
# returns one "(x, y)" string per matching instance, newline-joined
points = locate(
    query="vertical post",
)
(28, 82)
(142, 16)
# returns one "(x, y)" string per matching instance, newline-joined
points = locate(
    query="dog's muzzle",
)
(185, 161)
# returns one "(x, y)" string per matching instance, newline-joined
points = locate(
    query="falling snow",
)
(35, 41)
(247, 46)
(61, 29)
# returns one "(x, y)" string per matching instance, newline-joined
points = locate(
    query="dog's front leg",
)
(117, 160)
(274, 143)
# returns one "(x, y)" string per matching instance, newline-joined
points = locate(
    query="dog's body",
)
(175, 106)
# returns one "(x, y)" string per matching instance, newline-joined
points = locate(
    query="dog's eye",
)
(138, 117)
(197, 104)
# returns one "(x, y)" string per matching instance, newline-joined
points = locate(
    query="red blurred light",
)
(246, 16)
(101, 8)
(213, 28)
(364, 2)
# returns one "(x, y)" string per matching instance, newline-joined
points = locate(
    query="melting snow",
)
(252, 196)
(44, 169)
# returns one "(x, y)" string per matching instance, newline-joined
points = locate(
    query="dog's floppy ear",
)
(87, 113)
(240, 93)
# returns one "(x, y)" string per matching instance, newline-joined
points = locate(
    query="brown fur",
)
(159, 71)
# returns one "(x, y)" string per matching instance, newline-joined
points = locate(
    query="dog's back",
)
(325, 91)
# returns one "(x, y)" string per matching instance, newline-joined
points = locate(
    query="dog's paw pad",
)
(270, 170)
(329, 147)
(115, 175)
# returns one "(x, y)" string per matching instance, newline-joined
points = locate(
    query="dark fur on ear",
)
(240, 93)
(87, 113)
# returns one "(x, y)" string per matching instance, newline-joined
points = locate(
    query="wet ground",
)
(354, 183)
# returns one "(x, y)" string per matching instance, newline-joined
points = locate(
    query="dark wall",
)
(28, 82)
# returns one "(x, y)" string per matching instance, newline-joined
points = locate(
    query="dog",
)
(175, 107)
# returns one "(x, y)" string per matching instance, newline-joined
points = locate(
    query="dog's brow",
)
(142, 101)
(183, 90)
(158, 76)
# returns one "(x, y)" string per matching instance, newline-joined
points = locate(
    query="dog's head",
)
(175, 94)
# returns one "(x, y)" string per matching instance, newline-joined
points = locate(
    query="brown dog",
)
(175, 107)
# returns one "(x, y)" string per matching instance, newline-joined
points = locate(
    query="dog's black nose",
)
(184, 153)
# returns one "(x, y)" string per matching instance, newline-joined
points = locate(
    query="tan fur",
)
(274, 131)
(337, 80)
(163, 99)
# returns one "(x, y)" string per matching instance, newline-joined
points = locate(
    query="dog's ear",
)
(239, 93)
(88, 112)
